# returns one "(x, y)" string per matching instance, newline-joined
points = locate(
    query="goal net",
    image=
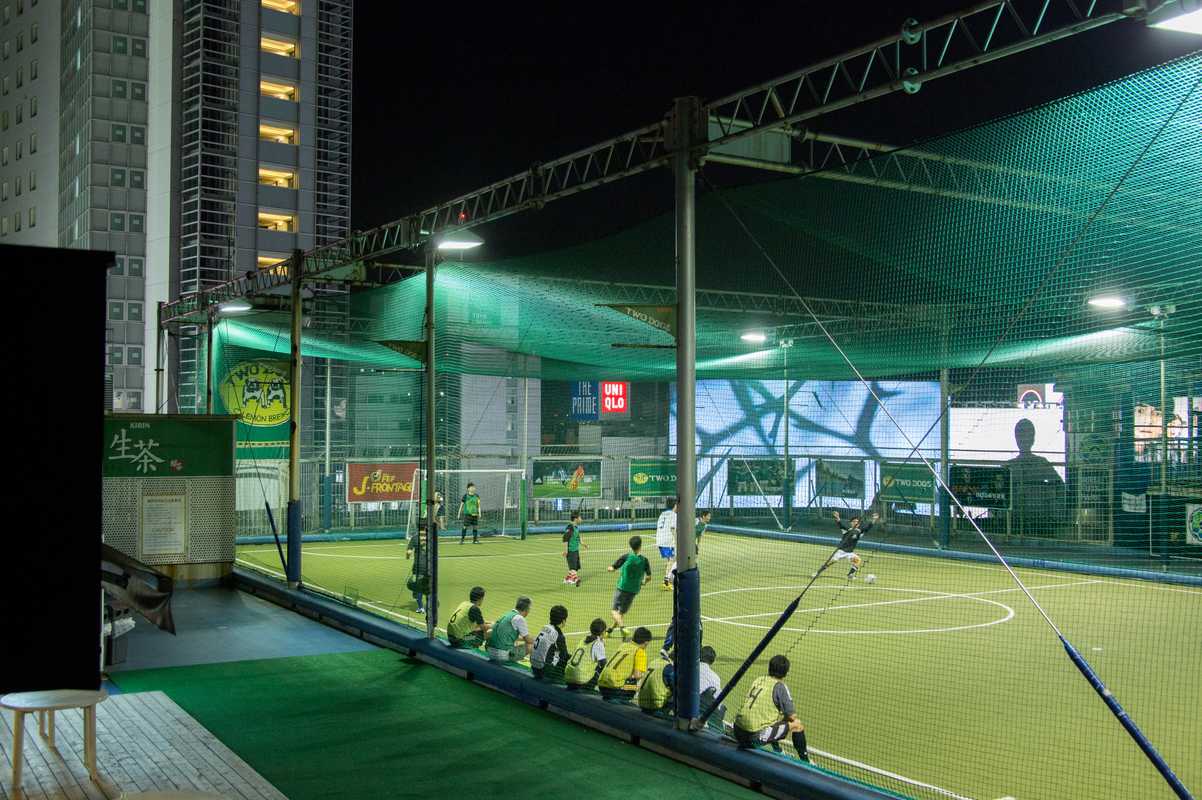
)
(499, 490)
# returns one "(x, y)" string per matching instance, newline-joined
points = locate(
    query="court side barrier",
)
(964, 555)
(367, 536)
(752, 768)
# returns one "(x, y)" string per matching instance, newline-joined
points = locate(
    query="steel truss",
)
(918, 53)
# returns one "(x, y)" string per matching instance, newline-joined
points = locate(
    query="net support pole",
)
(945, 467)
(686, 128)
(293, 574)
(211, 318)
(158, 358)
(431, 459)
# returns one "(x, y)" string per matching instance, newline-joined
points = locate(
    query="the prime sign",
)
(593, 401)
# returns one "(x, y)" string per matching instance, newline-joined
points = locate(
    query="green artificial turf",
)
(941, 671)
(377, 725)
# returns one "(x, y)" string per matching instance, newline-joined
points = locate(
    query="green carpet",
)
(375, 724)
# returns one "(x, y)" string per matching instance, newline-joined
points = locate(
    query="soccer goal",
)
(502, 501)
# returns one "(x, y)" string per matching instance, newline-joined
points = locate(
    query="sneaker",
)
(421, 610)
(665, 655)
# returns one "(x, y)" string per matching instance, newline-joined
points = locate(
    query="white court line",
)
(932, 596)
(893, 775)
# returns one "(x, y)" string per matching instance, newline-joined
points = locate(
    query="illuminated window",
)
(287, 6)
(281, 47)
(285, 179)
(276, 133)
(280, 91)
(265, 260)
(271, 221)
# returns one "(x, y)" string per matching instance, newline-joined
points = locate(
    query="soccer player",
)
(469, 512)
(440, 511)
(635, 572)
(417, 581)
(665, 540)
(621, 674)
(466, 627)
(703, 522)
(550, 654)
(654, 692)
(767, 715)
(847, 545)
(509, 639)
(571, 552)
(588, 659)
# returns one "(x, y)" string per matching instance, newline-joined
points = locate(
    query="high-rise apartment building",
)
(259, 104)
(197, 139)
(29, 91)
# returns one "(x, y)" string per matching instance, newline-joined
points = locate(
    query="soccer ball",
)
(870, 579)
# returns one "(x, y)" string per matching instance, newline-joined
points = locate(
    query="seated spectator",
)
(588, 659)
(620, 677)
(466, 627)
(550, 654)
(509, 639)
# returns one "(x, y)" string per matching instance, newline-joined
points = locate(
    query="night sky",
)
(450, 97)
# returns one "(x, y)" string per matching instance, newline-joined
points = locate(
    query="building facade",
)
(197, 139)
(29, 92)
(258, 97)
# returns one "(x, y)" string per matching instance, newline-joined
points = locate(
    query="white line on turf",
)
(887, 774)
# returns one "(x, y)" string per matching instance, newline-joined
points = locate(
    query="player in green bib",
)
(634, 572)
(466, 627)
(571, 551)
(703, 522)
(654, 694)
(587, 659)
(469, 512)
(768, 715)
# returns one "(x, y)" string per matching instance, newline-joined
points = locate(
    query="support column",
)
(327, 475)
(431, 450)
(945, 468)
(1165, 413)
(212, 315)
(296, 268)
(159, 355)
(686, 131)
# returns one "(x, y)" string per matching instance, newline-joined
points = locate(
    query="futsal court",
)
(898, 682)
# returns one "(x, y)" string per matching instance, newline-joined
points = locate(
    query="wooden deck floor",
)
(144, 742)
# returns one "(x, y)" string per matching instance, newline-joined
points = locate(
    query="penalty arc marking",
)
(926, 596)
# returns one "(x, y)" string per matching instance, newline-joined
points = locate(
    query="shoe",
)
(776, 748)
(421, 610)
(665, 655)
(475, 541)
(460, 541)
(667, 587)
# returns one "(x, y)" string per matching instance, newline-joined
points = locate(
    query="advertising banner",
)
(257, 392)
(746, 477)
(154, 445)
(375, 482)
(839, 478)
(652, 477)
(586, 405)
(981, 486)
(907, 483)
(560, 478)
(1193, 523)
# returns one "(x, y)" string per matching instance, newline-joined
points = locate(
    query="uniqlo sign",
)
(615, 399)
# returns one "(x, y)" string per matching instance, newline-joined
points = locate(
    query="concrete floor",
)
(218, 624)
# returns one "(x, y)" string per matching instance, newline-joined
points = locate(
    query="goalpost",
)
(502, 500)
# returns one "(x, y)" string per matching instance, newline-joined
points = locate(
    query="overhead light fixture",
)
(462, 239)
(1107, 301)
(237, 306)
(1183, 16)
(754, 337)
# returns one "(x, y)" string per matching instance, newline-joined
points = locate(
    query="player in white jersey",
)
(665, 540)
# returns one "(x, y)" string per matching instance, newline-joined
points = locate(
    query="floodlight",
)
(1183, 16)
(755, 337)
(237, 306)
(1107, 301)
(461, 239)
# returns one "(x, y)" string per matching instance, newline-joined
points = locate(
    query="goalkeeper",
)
(852, 533)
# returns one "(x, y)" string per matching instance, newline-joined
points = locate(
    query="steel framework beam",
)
(918, 53)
